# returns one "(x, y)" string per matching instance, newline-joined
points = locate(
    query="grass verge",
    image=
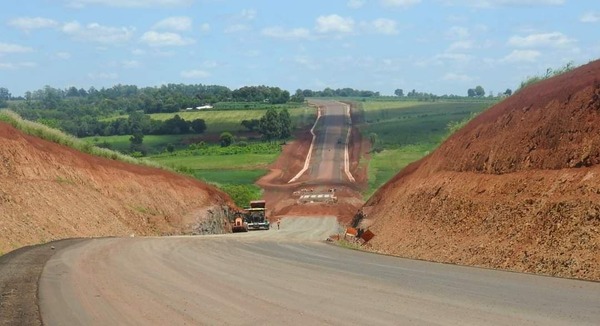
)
(59, 137)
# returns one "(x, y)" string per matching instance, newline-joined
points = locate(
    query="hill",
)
(517, 188)
(49, 191)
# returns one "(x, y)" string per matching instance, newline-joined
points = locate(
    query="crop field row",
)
(405, 131)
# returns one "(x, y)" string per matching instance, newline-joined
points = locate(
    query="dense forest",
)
(81, 111)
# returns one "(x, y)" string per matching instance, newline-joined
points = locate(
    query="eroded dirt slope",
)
(518, 188)
(48, 192)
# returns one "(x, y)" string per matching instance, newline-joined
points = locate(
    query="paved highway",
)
(327, 161)
(291, 277)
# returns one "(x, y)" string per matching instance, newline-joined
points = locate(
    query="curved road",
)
(288, 277)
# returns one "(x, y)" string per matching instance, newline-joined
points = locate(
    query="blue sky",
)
(438, 46)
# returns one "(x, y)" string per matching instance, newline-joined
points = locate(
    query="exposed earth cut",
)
(48, 192)
(282, 196)
(518, 188)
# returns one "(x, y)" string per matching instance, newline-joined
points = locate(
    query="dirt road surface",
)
(289, 277)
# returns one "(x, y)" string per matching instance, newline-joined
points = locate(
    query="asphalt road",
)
(289, 276)
(327, 161)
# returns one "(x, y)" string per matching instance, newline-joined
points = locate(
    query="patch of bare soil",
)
(282, 197)
(48, 192)
(518, 188)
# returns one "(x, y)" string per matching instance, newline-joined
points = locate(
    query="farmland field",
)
(405, 131)
(219, 162)
(155, 143)
(218, 121)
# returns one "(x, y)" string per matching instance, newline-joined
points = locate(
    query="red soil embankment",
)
(48, 191)
(518, 188)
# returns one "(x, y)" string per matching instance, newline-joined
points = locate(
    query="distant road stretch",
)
(289, 277)
(327, 162)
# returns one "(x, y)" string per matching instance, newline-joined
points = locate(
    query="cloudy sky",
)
(439, 46)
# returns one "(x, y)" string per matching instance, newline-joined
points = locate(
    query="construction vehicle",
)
(239, 223)
(256, 216)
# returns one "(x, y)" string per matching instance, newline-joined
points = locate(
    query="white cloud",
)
(306, 62)
(248, 14)
(590, 17)
(503, 3)
(95, 32)
(30, 23)
(205, 27)
(194, 74)
(236, 28)
(334, 24)
(399, 3)
(461, 57)
(460, 46)
(16, 66)
(130, 64)
(13, 48)
(157, 39)
(554, 39)
(63, 55)
(385, 26)
(281, 33)
(129, 3)
(138, 52)
(355, 4)
(180, 23)
(103, 75)
(457, 77)
(458, 32)
(522, 56)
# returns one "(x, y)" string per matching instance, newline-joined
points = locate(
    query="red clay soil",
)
(48, 192)
(282, 197)
(518, 188)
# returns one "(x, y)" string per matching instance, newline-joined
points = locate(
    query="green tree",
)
(399, 92)
(471, 92)
(226, 139)
(508, 92)
(250, 124)
(479, 91)
(4, 94)
(136, 141)
(285, 122)
(198, 125)
(298, 97)
(170, 148)
(269, 125)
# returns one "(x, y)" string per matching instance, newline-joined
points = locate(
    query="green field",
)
(154, 143)
(218, 121)
(406, 131)
(222, 177)
(219, 162)
(234, 169)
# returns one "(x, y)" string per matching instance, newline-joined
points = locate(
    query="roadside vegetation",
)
(550, 72)
(59, 137)
(402, 131)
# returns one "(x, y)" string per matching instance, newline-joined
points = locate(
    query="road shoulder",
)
(20, 271)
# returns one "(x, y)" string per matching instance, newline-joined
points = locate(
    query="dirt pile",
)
(518, 188)
(48, 192)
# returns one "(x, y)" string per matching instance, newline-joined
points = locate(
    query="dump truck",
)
(256, 216)
(239, 223)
